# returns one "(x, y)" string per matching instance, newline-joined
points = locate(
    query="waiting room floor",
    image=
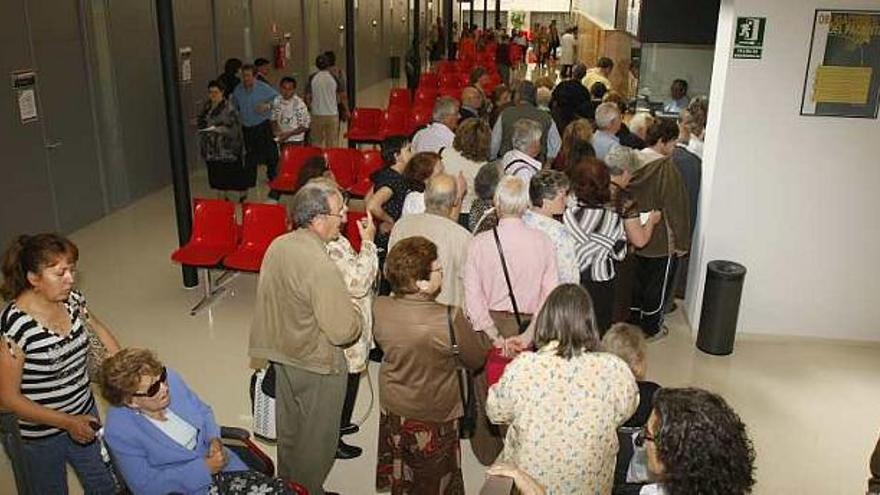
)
(812, 406)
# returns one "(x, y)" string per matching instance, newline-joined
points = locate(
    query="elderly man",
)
(303, 318)
(525, 108)
(490, 296)
(253, 99)
(678, 97)
(521, 161)
(608, 122)
(471, 103)
(441, 132)
(548, 192)
(441, 198)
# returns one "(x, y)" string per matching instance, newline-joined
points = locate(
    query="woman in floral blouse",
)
(564, 402)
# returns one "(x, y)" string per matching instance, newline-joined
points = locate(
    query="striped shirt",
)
(55, 375)
(599, 237)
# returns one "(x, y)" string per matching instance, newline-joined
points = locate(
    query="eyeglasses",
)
(643, 437)
(155, 386)
(339, 215)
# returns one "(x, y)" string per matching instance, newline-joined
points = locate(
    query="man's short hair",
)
(682, 84)
(260, 62)
(311, 201)
(440, 193)
(445, 106)
(511, 196)
(527, 91)
(606, 114)
(287, 80)
(321, 62)
(248, 68)
(579, 71)
(526, 132)
(626, 342)
(545, 185)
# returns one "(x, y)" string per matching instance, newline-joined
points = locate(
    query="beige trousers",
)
(325, 131)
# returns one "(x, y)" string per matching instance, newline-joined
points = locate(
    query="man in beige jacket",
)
(303, 319)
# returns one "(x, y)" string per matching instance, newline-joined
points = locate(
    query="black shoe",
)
(349, 429)
(346, 451)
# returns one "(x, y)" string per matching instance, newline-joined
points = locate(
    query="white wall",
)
(793, 198)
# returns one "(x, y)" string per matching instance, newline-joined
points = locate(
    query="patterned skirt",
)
(418, 457)
(248, 483)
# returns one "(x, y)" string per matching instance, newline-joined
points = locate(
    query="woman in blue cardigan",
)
(162, 437)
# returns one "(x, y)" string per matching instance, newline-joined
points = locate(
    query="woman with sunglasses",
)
(163, 438)
(44, 378)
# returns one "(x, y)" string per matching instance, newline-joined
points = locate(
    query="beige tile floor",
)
(812, 406)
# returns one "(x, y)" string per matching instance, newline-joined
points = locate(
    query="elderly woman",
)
(564, 402)
(163, 437)
(697, 444)
(661, 139)
(575, 144)
(469, 152)
(425, 344)
(601, 224)
(44, 377)
(548, 192)
(221, 144)
(508, 274)
(483, 215)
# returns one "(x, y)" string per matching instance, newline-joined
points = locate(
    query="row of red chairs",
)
(351, 167)
(374, 125)
(218, 242)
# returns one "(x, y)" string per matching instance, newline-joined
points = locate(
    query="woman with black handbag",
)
(421, 383)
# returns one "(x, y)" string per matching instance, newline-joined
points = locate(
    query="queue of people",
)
(489, 242)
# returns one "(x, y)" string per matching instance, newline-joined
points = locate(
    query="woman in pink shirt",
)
(530, 258)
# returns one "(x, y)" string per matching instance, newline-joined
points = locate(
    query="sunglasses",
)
(155, 386)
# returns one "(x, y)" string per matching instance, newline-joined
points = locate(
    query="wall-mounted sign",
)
(24, 86)
(843, 71)
(186, 73)
(749, 39)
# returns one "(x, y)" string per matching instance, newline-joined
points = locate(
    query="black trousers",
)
(602, 294)
(259, 143)
(351, 390)
(653, 287)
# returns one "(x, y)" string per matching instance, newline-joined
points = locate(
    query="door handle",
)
(52, 146)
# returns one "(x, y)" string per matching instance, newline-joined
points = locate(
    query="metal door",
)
(67, 120)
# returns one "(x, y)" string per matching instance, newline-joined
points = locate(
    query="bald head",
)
(471, 97)
(441, 192)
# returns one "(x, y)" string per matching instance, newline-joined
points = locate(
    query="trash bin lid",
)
(728, 270)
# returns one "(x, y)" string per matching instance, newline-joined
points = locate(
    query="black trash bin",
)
(721, 297)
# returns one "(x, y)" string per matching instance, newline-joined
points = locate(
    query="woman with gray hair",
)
(508, 274)
(483, 215)
(522, 161)
(548, 192)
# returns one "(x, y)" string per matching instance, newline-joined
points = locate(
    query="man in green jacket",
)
(303, 319)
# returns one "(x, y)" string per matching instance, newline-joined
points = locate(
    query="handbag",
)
(263, 405)
(97, 350)
(467, 426)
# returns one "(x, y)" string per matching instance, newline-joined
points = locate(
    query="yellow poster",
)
(837, 84)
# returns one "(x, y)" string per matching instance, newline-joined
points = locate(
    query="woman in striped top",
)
(601, 226)
(44, 379)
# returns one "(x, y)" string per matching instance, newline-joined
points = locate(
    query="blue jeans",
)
(47, 459)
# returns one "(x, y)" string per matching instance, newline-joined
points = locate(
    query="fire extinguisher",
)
(281, 52)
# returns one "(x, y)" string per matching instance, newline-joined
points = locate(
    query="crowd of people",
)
(514, 260)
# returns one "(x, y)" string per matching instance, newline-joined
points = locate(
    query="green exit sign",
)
(749, 39)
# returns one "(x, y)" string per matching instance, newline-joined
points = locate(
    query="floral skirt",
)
(247, 483)
(418, 457)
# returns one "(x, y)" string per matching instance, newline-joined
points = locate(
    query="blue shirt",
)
(247, 100)
(602, 142)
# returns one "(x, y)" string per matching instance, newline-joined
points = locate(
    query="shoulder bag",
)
(468, 423)
(521, 322)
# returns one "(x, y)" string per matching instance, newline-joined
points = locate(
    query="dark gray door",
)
(67, 121)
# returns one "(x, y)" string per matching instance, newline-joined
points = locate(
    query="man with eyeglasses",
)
(304, 318)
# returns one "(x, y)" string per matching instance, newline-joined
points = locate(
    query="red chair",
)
(429, 80)
(351, 230)
(292, 160)
(365, 126)
(399, 98)
(261, 224)
(344, 163)
(420, 117)
(444, 66)
(425, 97)
(372, 162)
(396, 123)
(213, 237)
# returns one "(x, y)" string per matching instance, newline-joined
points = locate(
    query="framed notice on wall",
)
(843, 71)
